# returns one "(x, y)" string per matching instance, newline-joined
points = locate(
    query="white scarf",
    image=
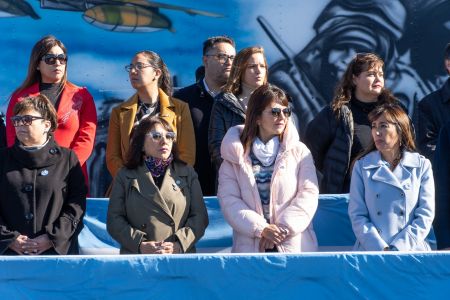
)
(266, 153)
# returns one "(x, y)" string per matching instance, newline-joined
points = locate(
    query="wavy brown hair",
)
(346, 88)
(395, 115)
(40, 49)
(164, 81)
(135, 154)
(238, 67)
(42, 105)
(260, 99)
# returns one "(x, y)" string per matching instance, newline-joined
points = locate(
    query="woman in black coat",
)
(43, 194)
(248, 72)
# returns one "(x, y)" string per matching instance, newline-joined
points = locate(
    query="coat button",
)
(379, 230)
(379, 213)
(143, 226)
(402, 194)
(28, 188)
(401, 213)
(29, 216)
(377, 195)
(172, 223)
(53, 151)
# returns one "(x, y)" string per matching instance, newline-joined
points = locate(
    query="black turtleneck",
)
(362, 137)
(52, 91)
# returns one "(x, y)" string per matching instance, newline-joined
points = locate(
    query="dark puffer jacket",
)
(42, 192)
(330, 141)
(226, 113)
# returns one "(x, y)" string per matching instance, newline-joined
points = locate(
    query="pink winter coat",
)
(293, 194)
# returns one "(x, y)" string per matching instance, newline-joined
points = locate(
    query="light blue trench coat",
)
(387, 211)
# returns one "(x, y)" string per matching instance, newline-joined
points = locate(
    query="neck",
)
(265, 138)
(391, 156)
(148, 95)
(246, 91)
(365, 98)
(213, 86)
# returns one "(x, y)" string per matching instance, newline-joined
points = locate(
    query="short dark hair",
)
(210, 42)
(42, 105)
(135, 155)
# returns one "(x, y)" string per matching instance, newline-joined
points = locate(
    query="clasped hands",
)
(152, 247)
(24, 245)
(272, 235)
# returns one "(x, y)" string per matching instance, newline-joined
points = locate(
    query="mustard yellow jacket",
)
(174, 111)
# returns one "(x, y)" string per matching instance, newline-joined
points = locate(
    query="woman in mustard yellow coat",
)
(151, 79)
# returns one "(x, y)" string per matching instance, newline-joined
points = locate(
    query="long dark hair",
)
(238, 67)
(39, 50)
(262, 97)
(345, 89)
(397, 116)
(135, 154)
(164, 81)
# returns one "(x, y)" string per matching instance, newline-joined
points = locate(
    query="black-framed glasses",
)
(50, 59)
(25, 120)
(276, 112)
(222, 57)
(137, 67)
(157, 136)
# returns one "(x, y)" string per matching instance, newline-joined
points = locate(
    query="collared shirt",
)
(208, 90)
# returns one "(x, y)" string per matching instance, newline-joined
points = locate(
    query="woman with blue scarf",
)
(156, 204)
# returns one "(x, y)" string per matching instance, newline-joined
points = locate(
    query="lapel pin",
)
(44, 172)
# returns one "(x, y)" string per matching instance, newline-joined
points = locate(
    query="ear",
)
(354, 79)
(205, 60)
(158, 73)
(47, 125)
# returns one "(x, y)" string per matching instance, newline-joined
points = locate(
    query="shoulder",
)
(133, 100)
(431, 99)
(186, 92)
(179, 104)
(415, 160)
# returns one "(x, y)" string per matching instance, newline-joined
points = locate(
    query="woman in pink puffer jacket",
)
(268, 189)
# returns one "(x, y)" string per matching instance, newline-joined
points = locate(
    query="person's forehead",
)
(30, 112)
(56, 50)
(224, 48)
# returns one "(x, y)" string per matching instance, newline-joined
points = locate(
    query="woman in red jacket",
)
(77, 116)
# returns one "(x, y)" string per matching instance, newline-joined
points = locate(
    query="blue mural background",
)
(319, 38)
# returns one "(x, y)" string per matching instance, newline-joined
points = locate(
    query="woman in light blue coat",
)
(392, 189)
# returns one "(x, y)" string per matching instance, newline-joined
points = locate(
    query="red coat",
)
(77, 120)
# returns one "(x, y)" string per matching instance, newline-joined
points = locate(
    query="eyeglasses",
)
(50, 59)
(157, 136)
(25, 120)
(276, 112)
(138, 67)
(222, 58)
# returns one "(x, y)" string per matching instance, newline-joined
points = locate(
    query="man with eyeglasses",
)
(218, 55)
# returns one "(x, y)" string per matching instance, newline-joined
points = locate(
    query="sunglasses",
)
(25, 120)
(157, 136)
(50, 59)
(276, 112)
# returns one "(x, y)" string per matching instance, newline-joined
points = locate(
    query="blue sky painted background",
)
(97, 56)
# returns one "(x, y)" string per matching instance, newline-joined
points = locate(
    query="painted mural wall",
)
(308, 44)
